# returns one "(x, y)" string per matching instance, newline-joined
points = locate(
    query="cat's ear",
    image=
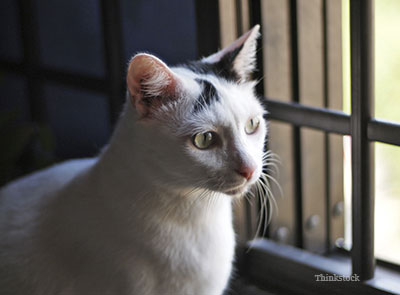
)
(239, 58)
(150, 83)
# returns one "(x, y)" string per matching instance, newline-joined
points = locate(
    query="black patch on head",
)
(222, 68)
(207, 96)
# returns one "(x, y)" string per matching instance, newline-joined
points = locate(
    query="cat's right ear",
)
(238, 60)
(150, 83)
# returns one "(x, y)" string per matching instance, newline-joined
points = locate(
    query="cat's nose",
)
(246, 171)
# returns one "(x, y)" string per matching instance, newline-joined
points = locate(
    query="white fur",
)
(148, 216)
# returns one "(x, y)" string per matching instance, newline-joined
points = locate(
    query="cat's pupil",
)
(252, 125)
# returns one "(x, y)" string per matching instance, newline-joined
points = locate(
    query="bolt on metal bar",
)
(112, 32)
(361, 38)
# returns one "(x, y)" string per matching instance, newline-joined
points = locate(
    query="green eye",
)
(204, 140)
(252, 125)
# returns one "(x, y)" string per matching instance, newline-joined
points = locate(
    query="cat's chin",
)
(236, 192)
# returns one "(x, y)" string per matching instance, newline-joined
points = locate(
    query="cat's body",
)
(152, 214)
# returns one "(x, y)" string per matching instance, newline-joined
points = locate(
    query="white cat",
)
(152, 214)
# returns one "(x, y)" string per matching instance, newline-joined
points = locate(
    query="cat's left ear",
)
(239, 58)
(151, 83)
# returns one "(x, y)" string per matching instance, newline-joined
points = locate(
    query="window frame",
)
(112, 85)
(264, 262)
(285, 268)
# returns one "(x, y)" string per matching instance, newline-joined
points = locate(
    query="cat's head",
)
(201, 123)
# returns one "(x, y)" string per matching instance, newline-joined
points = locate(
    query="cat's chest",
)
(196, 257)
(208, 242)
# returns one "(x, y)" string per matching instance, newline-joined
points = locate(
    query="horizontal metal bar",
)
(297, 114)
(307, 116)
(330, 121)
(383, 131)
(266, 263)
(54, 75)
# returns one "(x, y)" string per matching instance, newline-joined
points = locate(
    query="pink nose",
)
(245, 171)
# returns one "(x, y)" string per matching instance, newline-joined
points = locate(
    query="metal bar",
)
(239, 22)
(307, 116)
(297, 114)
(298, 190)
(361, 30)
(112, 32)
(62, 77)
(255, 18)
(326, 135)
(208, 29)
(266, 263)
(383, 131)
(31, 59)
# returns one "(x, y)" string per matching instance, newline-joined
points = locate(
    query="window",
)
(304, 73)
(326, 153)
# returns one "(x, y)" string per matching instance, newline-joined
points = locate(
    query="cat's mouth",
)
(238, 190)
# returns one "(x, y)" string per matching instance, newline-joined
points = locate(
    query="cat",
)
(152, 213)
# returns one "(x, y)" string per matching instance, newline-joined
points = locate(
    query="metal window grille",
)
(112, 84)
(360, 125)
(363, 128)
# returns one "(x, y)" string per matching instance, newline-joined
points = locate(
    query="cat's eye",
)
(204, 140)
(252, 125)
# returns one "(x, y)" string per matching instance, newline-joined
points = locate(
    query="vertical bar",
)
(29, 33)
(276, 52)
(255, 18)
(111, 20)
(326, 135)
(311, 92)
(361, 38)
(208, 29)
(334, 93)
(298, 193)
(239, 23)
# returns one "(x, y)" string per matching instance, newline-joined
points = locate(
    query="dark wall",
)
(69, 37)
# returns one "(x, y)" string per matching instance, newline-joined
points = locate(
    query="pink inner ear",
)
(149, 78)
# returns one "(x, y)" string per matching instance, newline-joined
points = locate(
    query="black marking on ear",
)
(208, 95)
(223, 68)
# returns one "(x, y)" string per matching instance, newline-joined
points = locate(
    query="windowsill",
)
(288, 269)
